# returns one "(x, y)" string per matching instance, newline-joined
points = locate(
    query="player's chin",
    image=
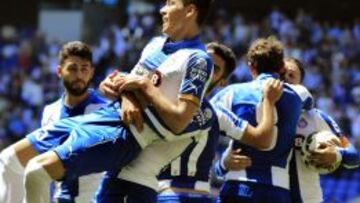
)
(78, 91)
(165, 30)
(79, 87)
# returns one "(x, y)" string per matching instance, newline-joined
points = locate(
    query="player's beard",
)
(72, 89)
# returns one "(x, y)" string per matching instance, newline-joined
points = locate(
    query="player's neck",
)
(71, 100)
(186, 34)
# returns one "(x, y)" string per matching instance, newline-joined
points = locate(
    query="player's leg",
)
(14, 158)
(39, 173)
(100, 143)
(12, 162)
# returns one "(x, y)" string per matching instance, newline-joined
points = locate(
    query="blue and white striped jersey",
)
(191, 169)
(180, 70)
(148, 164)
(144, 169)
(305, 183)
(82, 189)
(270, 166)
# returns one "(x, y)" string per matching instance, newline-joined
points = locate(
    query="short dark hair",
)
(75, 48)
(266, 55)
(203, 6)
(226, 54)
(299, 65)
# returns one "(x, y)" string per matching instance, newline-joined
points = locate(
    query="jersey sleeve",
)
(219, 167)
(224, 97)
(325, 122)
(305, 96)
(197, 76)
(149, 57)
(230, 125)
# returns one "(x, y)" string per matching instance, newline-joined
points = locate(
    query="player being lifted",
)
(181, 69)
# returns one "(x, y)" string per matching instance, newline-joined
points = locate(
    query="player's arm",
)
(177, 115)
(328, 153)
(350, 155)
(261, 136)
(131, 109)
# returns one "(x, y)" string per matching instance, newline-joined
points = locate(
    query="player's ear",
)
(191, 10)
(252, 68)
(59, 70)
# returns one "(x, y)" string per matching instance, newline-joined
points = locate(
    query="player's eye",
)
(216, 68)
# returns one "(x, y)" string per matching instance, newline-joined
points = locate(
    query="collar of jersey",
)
(83, 103)
(194, 43)
(264, 76)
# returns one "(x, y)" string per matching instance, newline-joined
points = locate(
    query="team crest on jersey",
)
(156, 78)
(299, 140)
(208, 114)
(302, 123)
(199, 71)
(203, 116)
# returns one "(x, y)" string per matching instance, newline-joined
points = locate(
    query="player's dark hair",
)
(203, 6)
(226, 54)
(75, 48)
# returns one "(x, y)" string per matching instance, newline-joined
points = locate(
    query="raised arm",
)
(261, 136)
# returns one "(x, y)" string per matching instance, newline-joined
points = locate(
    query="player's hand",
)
(335, 141)
(133, 84)
(131, 112)
(273, 90)
(108, 87)
(324, 156)
(234, 161)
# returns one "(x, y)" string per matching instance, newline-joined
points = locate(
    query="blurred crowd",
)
(329, 50)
